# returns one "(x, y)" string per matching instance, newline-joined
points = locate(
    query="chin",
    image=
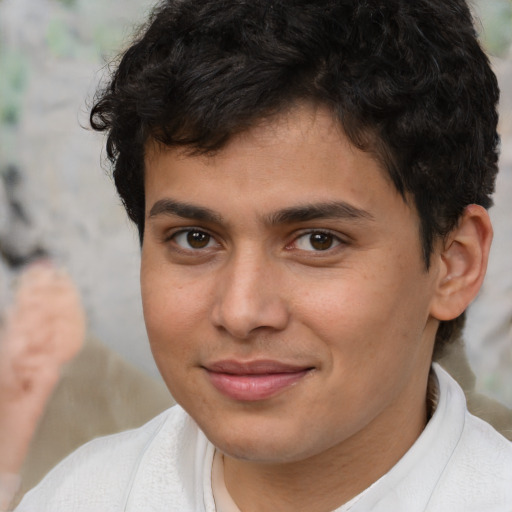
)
(260, 444)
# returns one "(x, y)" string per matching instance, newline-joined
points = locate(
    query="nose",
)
(249, 297)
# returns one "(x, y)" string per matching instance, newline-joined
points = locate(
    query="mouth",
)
(255, 380)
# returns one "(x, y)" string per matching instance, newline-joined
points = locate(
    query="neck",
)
(328, 480)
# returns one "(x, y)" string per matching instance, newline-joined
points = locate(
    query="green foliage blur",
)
(101, 35)
(494, 24)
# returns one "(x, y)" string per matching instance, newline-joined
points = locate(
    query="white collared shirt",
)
(458, 464)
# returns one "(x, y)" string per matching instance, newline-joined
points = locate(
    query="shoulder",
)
(478, 476)
(481, 467)
(98, 475)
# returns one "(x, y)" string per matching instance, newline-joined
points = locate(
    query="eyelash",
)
(188, 231)
(335, 240)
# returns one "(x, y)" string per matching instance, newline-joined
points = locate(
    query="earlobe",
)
(462, 263)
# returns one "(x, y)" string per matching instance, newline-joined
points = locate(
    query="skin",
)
(43, 329)
(230, 271)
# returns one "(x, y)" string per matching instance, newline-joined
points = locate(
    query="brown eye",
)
(316, 241)
(193, 239)
(198, 239)
(321, 241)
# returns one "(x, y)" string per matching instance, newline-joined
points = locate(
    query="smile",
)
(253, 381)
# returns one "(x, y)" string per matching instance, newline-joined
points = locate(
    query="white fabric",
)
(223, 500)
(458, 464)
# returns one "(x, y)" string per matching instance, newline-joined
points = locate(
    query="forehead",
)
(301, 156)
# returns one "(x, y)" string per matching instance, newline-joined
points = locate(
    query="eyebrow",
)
(301, 213)
(185, 210)
(330, 210)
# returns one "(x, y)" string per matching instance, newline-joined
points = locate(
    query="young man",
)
(310, 182)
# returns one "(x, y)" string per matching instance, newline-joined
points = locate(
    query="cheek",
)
(167, 310)
(168, 324)
(366, 313)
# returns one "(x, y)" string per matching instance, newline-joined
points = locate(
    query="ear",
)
(462, 263)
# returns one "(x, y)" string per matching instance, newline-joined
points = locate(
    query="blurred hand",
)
(43, 329)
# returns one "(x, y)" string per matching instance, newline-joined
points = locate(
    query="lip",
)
(254, 380)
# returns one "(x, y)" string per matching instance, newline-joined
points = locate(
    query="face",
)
(285, 296)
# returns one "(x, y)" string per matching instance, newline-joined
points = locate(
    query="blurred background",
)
(56, 197)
